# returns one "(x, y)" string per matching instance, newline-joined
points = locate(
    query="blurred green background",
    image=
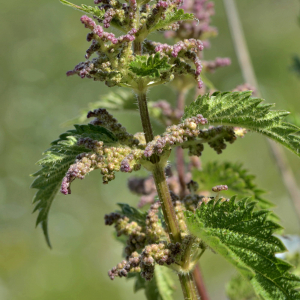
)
(40, 41)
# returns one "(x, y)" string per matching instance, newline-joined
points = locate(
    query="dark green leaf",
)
(133, 214)
(58, 158)
(239, 110)
(245, 238)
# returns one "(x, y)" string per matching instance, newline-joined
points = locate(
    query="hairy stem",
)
(145, 118)
(186, 280)
(247, 69)
(166, 203)
(181, 176)
(179, 151)
(188, 286)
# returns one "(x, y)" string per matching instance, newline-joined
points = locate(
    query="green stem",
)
(188, 286)
(166, 203)
(186, 280)
(145, 118)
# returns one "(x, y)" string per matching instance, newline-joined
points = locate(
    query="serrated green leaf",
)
(133, 214)
(172, 17)
(149, 65)
(161, 287)
(58, 158)
(245, 238)
(95, 11)
(94, 132)
(238, 109)
(238, 180)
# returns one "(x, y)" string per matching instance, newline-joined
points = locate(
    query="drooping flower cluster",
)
(105, 119)
(175, 135)
(146, 243)
(113, 54)
(138, 235)
(161, 253)
(180, 55)
(123, 156)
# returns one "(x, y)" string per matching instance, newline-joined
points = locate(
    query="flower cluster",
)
(138, 234)
(164, 112)
(216, 137)
(199, 28)
(219, 188)
(211, 66)
(146, 245)
(112, 53)
(123, 156)
(180, 55)
(161, 253)
(105, 119)
(175, 135)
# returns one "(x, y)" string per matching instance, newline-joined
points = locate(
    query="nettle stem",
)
(186, 279)
(188, 286)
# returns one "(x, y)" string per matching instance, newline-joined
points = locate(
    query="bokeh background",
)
(40, 41)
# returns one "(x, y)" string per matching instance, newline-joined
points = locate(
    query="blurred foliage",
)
(41, 40)
(296, 65)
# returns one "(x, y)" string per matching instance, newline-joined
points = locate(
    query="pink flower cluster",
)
(105, 36)
(211, 66)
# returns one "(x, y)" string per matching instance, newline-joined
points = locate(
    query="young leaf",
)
(172, 17)
(149, 65)
(234, 176)
(238, 109)
(161, 287)
(95, 11)
(58, 158)
(244, 237)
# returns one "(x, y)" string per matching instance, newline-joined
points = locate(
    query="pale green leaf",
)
(150, 66)
(244, 237)
(178, 15)
(95, 11)
(239, 110)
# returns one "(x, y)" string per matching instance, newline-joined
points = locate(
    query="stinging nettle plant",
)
(216, 207)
